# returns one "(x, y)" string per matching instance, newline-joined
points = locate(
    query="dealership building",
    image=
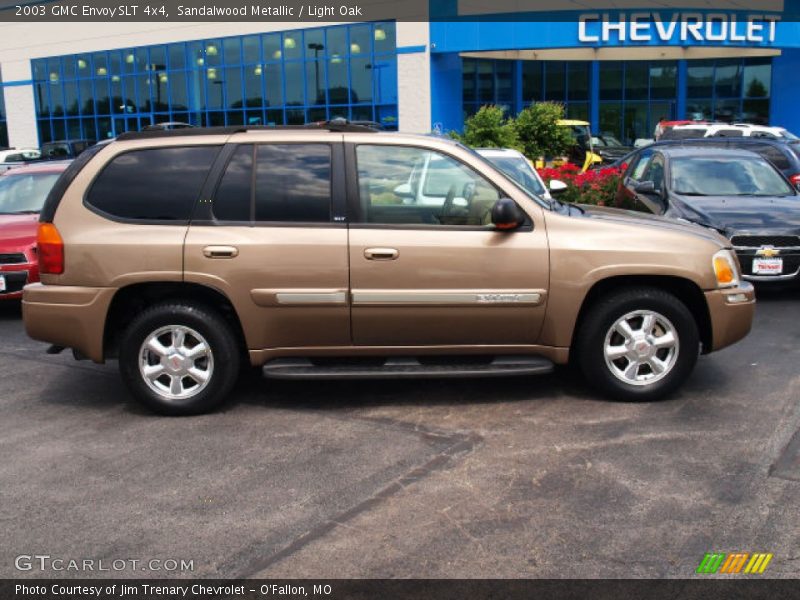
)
(621, 70)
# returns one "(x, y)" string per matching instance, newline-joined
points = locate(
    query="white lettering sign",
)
(595, 28)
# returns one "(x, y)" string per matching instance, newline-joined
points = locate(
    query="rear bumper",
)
(731, 311)
(73, 317)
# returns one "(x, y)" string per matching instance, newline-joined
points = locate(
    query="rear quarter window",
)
(155, 184)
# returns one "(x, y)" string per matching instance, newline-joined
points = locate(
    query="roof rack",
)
(335, 125)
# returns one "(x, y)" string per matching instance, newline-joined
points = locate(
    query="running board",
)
(407, 368)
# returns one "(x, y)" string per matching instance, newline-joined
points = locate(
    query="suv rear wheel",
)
(638, 344)
(179, 359)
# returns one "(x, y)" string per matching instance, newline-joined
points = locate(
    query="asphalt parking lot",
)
(531, 477)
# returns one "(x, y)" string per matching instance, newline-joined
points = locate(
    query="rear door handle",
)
(220, 252)
(381, 254)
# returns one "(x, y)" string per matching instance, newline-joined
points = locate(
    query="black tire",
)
(598, 321)
(220, 338)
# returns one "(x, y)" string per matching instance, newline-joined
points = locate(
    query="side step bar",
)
(407, 368)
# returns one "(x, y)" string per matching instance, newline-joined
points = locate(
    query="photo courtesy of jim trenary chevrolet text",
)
(431, 299)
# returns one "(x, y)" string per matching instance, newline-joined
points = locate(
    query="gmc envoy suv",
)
(306, 252)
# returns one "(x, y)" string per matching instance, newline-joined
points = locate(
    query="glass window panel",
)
(293, 183)
(468, 69)
(700, 77)
(73, 129)
(756, 111)
(387, 116)
(177, 91)
(71, 97)
(68, 67)
(57, 98)
(361, 113)
(757, 79)
(294, 83)
(485, 69)
(295, 117)
(233, 87)
(636, 122)
(89, 129)
(698, 110)
(554, 73)
(212, 53)
(273, 81)
(360, 39)
(215, 119)
(216, 90)
(337, 41)
(274, 117)
(42, 97)
(177, 56)
(578, 80)
(251, 47)
(158, 58)
(143, 90)
(385, 74)
(504, 70)
(663, 80)
(611, 119)
(233, 50)
(384, 36)
(637, 75)
(317, 114)
(254, 117)
(578, 110)
(104, 130)
(142, 59)
(100, 64)
(611, 80)
(128, 61)
(728, 78)
(114, 63)
(315, 82)
(315, 43)
(59, 129)
(292, 45)
(338, 86)
(234, 117)
(531, 81)
(39, 70)
(361, 80)
(86, 90)
(727, 110)
(272, 46)
(197, 55)
(253, 78)
(83, 66)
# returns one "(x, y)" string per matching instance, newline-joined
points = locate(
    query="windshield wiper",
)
(691, 193)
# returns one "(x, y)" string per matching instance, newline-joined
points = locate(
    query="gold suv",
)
(338, 252)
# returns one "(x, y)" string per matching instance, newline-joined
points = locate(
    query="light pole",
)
(316, 48)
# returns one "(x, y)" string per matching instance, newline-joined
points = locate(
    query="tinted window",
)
(772, 154)
(637, 168)
(155, 184)
(234, 195)
(293, 183)
(729, 133)
(724, 176)
(683, 134)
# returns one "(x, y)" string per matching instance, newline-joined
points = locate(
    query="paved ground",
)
(515, 478)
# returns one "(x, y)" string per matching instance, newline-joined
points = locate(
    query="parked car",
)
(609, 148)
(783, 153)
(15, 157)
(732, 130)
(149, 253)
(516, 166)
(65, 149)
(22, 194)
(737, 193)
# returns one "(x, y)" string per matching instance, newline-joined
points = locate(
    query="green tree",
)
(489, 128)
(539, 133)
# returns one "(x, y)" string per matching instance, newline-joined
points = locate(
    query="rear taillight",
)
(51, 249)
(795, 179)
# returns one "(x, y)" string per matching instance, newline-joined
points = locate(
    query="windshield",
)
(20, 194)
(737, 176)
(520, 171)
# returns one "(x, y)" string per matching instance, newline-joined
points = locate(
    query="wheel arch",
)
(685, 290)
(130, 300)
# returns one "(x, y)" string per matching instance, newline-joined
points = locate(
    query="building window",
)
(567, 82)
(729, 90)
(290, 77)
(488, 82)
(634, 95)
(3, 119)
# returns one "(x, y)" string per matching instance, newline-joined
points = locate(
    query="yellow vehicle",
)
(582, 152)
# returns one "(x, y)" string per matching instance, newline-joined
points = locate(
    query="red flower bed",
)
(597, 186)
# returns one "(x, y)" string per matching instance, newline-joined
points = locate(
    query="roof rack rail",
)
(335, 125)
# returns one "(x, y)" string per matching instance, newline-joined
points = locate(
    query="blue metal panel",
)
(680, 109)
(783, 99)
(446, 92)
(594, 97)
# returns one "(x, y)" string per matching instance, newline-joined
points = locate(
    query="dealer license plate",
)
(767, 266)
(2, 283)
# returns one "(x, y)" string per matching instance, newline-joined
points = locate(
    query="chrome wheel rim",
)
(641, 347)
(176, 362)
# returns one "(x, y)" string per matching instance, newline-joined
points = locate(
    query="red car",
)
(22, 194)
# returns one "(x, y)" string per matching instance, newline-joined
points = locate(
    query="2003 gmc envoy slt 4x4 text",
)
(335, 251)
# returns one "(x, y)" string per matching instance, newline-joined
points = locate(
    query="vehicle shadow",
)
(777, 292)
(10, 310)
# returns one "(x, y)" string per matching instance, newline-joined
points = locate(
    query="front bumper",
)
(16, 276)
(73, 317)
(731, 311)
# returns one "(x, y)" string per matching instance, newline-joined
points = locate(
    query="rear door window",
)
(293, 183)
(156, 184)
(234, 196)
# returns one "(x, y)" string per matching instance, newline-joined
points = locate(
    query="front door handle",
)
(381, 254)
(220, 252)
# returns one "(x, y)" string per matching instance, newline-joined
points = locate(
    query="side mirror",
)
(645, 187)
(506, 215)
(557, 187)
(404, 191)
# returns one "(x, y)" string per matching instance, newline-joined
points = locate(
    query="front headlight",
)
(726, 268)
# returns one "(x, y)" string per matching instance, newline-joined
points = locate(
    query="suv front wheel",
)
(179, 359)
(638, 344)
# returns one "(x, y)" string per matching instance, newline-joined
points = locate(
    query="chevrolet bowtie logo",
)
(768, 251)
